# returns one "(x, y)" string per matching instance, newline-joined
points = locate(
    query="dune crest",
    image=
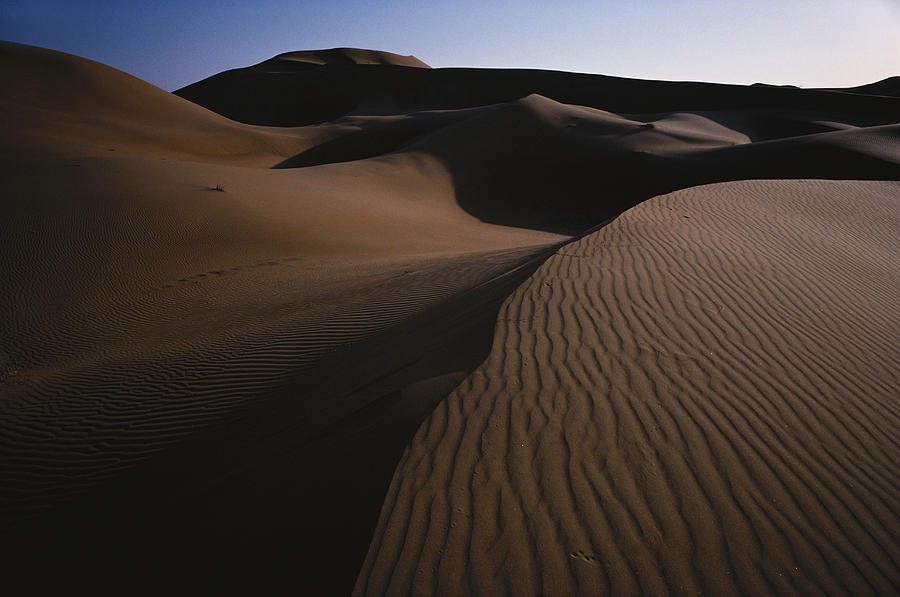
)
(349, 56)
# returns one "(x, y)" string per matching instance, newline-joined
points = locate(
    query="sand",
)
(700, 398)
(227, 291)
(223, 320)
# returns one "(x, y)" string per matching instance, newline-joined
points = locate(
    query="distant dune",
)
(261, 94)
(344, 56)
(226, 311)
(889, 87)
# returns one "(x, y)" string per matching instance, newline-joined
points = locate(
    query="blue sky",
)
(173, 43)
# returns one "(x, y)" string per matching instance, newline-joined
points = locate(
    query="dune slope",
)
(701, 397)
(142, 304)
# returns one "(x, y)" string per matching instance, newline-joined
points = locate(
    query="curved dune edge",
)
(699, 397)
(348, 56)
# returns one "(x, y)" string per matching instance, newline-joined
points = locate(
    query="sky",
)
(171, 43)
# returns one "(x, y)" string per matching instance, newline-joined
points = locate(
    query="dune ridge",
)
(346, 56)
(698, 398)
(254, 95)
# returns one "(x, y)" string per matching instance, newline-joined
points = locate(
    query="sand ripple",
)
(66, 430)
(700, 397)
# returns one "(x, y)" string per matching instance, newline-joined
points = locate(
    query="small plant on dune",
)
(219, 187)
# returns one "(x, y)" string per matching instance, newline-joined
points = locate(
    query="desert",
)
(342, 323)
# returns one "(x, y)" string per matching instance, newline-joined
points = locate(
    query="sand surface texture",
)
(225, 312)
(143, 303)
(700, 398)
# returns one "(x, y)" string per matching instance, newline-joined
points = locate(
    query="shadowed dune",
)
(255, 95)
(228, 291)
(889, 87)
(338, 57)
(701, 398)
(147, 318)
(289, 484)
(217, 337)
(539, 164)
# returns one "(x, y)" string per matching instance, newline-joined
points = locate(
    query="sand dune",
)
(698, 398)
(235, 328)
(539, 164)
(343, 56)
(228, 291)
(59, 104)
(257, 96)
(889, 87)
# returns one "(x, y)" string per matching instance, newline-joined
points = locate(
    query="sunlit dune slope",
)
(700, 398)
